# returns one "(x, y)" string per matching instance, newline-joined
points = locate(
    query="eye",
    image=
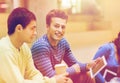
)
(56, 25)
(63, 27)
(33, 28)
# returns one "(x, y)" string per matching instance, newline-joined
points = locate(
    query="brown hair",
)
(19, 16)
(55, 13)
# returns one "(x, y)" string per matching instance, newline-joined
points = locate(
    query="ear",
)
(19, 27)
(47, 26)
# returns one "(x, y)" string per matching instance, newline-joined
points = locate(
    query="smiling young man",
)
(52, 48)
(15, 56)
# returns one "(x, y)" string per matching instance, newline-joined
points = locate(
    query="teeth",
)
(58, 34)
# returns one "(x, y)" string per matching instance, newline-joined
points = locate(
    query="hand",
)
(93, 63)
(77, 68)
(106, 82)
(62, 78)
(69, 81)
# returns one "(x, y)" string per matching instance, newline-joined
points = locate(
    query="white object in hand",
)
(60, 68)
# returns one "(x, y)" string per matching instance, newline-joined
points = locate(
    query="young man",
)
(15, 56)
(52, 48)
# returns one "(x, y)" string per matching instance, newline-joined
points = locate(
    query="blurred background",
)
(91, 23)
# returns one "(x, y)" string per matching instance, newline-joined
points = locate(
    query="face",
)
(29, 33)
(56, 30)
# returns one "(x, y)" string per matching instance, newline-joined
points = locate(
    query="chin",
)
(30, 41)
(57, 39)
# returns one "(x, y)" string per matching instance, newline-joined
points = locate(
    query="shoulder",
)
(4, 44)
(40, 43)
(25, 50)
(25, 47)
(108, 46)
(3, 41)
(63, 41)
(63, 44)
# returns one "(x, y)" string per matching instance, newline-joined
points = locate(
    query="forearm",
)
(83, 67)
(99, 78)
(76, 69)
(44, 65)
(13, 75)
(42, 80)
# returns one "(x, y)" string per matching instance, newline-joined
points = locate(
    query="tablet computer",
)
(109, 72)
(98, 67)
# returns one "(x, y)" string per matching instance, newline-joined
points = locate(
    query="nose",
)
(60, 29)
(35, 32)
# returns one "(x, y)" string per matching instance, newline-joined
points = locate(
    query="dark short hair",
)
(55, 13)
(117, 43)
(19, 16)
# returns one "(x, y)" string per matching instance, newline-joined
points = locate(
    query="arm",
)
(41, 57)
(10, 72)
(33, 73)
(74, 65)
(102, 51)
(99, 78)
(42, 61)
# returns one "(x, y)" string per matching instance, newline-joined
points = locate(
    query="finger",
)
(65, 74)
(97, 60)
(66, 80)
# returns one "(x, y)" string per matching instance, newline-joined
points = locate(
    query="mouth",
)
(33, 37)
(58, 34)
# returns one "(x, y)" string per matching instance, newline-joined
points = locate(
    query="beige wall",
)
(109, 8)
(111, 12)
(3, 24)
(41, 8)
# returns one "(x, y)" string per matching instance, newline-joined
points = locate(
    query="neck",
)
(15, 41)
(52, 42)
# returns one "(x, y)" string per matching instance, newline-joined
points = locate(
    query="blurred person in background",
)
(111, 51)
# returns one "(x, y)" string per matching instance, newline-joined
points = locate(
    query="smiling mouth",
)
(58, 35)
